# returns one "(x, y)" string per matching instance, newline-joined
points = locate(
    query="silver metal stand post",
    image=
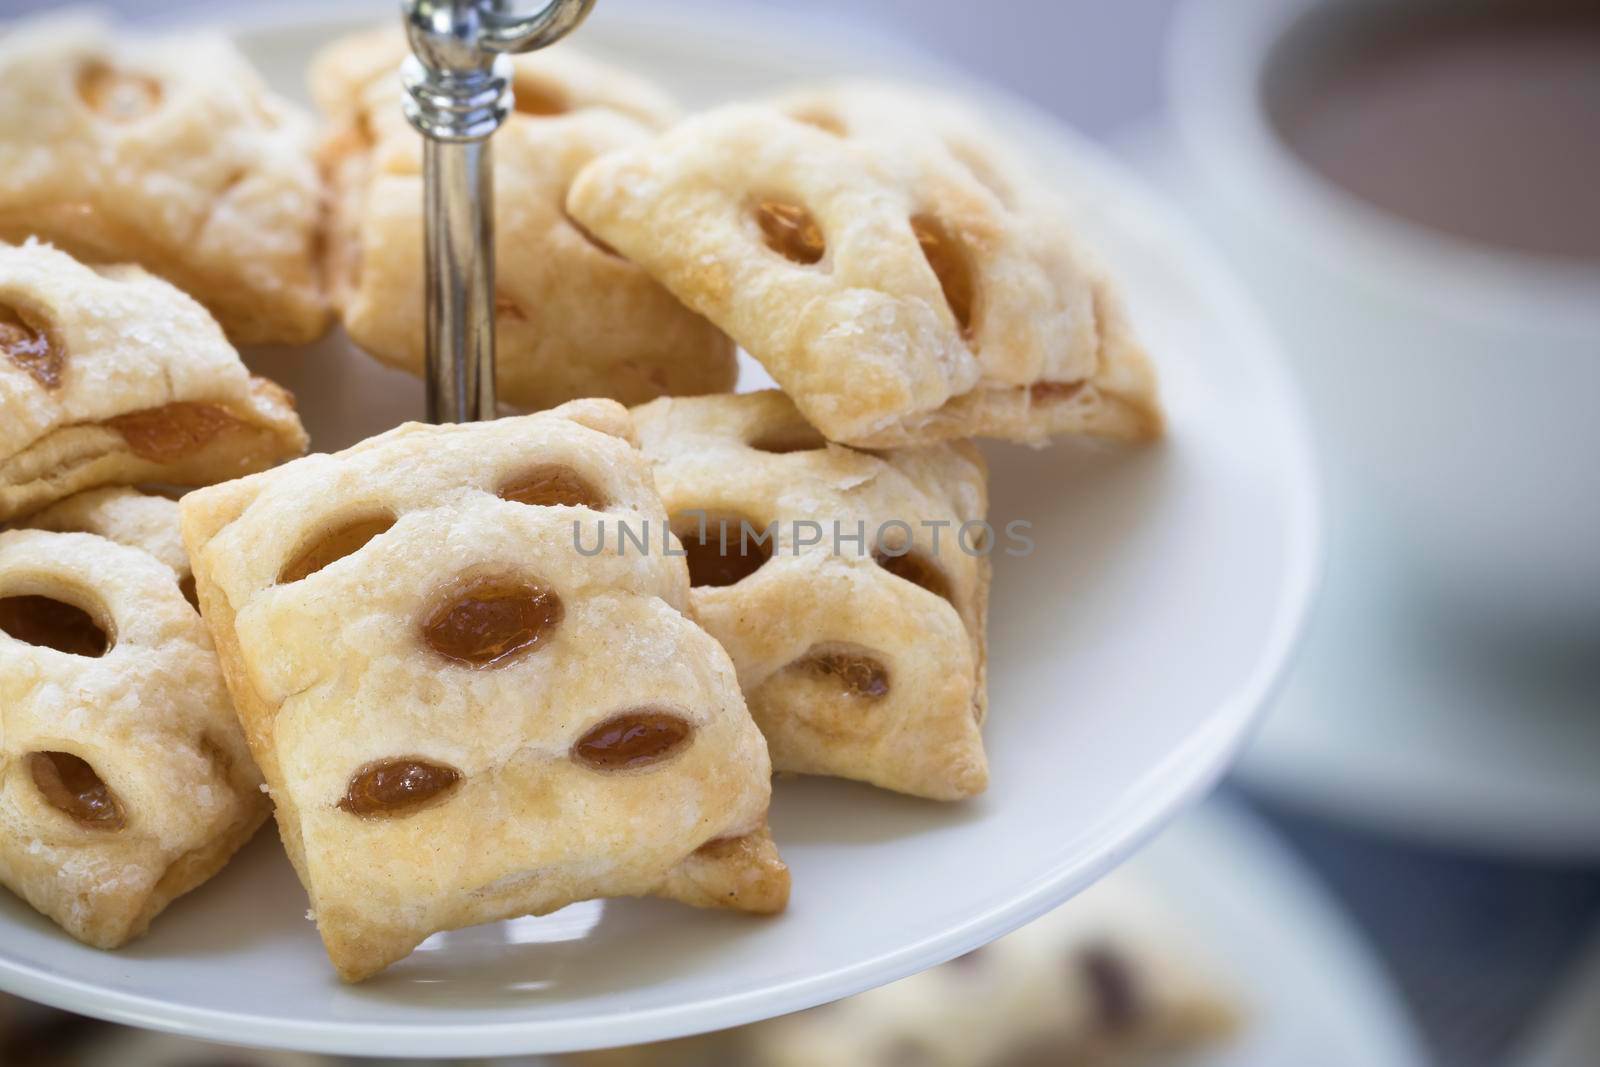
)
(458, 92)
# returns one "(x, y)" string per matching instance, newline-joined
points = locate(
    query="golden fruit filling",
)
(790, 439)
(490, 620)
(71, 786)
(336, 545)
(173, 431)
(822, 119)
(631, 740)
(537, 98)
(917, 569)
(553, 486)
(860, 675)
(1054, 392)
(950, 266)
(116, 95)
(791, 231)
(50, 623)
(396, 786)
(719, 552)
(31, 348)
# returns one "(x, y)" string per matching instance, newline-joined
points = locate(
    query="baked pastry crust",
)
(886, 261)
(850, 668)
(152, 719)
(573, 318)
(128, 517)
(342, 671)
(169, 152)
(111, 376)
(1109, 979)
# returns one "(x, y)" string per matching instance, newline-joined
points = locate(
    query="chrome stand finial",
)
(458, 92)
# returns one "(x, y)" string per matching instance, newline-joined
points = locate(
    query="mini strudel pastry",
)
(465, 708)
(128, 517)
(885, 260)
(573, 318)
(167, 152)
(111, 376)
(1109, 979)
(126, 779)
(850, 589)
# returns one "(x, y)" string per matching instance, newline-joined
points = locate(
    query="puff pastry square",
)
(129, 517)
(1109, 979)
(125, 780)
(574, 319)
(462, 716)
(111, 376)
(857, 626)
(168, 152)
(887, 262)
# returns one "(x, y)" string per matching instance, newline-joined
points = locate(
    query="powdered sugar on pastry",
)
(114, 377)
(463, 717)
(897, 274)
(168, 152)
(128, 780)
(859, 659)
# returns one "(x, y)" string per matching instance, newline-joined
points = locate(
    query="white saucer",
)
(1313, 992)
(1129, 656)
(1388, 721)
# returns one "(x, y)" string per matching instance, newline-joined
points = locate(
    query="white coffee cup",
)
(1455, 389)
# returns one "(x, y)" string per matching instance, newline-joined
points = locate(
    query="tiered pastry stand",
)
(1128, 657)
(458, 92)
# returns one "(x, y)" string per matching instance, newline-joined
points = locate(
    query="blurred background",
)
(1411, 850)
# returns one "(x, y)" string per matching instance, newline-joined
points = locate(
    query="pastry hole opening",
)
(186, 586)
(234, 179)
(117, 95)
(981, 170)
(858, 671)
(537, 98)
(169, 433)
(1054, 392)
(50, 623)
(333, 546)
(797, 438)
(721, 848)
(489, 620)
(1113, 988)
(398, 786)
(917, 569)
(216, 755)
(31, 347)
(823, 119)
(588, 235)
(551, 486)
(791, 231)
(631, 740)
(70, 785)
(722, 549)
(948, 259)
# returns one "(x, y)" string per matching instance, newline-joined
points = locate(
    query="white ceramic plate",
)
(1313, 993)
(1309, 989)
(1129, 656)
(1384, 725)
